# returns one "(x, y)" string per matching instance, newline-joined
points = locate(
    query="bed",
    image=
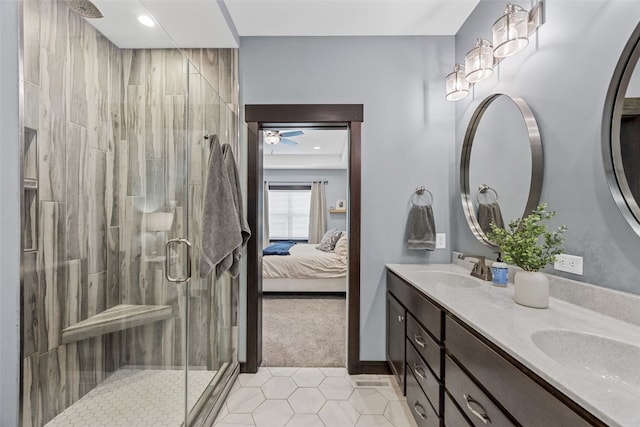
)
(306, 269)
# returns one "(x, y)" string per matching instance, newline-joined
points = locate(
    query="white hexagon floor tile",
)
(338, 413)
(255, 380)
(373, 421)
(272, 413)
(279, 387)
(368, 401)
(336, 388)
(307, 400)
(245, 400)
(305, 420)
(308, 377)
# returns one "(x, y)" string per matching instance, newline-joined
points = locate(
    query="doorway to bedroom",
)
(305, 245)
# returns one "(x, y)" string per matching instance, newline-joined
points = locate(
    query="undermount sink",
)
(446, 278)
(605, 358)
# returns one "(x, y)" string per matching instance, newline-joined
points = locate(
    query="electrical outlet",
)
(441, 240)
(568, 263)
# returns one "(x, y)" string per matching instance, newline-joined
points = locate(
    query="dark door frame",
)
(297, 115)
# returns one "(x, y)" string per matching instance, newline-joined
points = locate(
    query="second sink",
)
(446, 278)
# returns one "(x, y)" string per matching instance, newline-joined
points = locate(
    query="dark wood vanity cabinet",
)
(415, 353)
(454, 377)
(396, 321)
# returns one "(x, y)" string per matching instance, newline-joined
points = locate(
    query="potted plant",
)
(528, 244)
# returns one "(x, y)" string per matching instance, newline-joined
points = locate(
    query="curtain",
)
(317, 213)
(265, 215)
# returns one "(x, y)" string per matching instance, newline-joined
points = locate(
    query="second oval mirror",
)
(501, 164)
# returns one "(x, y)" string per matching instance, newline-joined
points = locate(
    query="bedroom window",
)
(289, 207)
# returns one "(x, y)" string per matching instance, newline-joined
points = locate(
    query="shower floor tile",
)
(136, 397)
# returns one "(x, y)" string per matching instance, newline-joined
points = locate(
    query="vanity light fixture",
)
(479, 61)
(456, 86)
(271, 137)
(146, 20)
(512, 30)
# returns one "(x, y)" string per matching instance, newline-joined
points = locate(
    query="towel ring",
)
(420, 193)
(483, 189)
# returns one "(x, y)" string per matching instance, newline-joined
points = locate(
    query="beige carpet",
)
(304, 331)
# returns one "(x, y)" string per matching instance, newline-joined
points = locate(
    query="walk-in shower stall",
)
(113, 170)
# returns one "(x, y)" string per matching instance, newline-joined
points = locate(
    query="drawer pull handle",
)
(400, 318)
(419, 340)
(482, 415)
(421, 412)
(419, 370)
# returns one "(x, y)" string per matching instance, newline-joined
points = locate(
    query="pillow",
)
(329, 240)
(341, 246)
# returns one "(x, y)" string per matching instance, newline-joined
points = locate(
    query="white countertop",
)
(491, 311)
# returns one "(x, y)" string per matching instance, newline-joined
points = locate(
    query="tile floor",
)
(314, 397)
(136, 397)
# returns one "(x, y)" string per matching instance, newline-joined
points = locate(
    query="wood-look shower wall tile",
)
(197, 127)
(97, 211)
(30, 320)
(235, 84)
(154, 92)
(99, 111)
(112, 343)
(211, 110)
(76, 292)
(51, 263)
(136, 140)
(52, 129)
(210, 68)
(97, 293)
(196, 199)
(155, 185)
(175, 151)
(169, 343)
(53, 378)
(113, 267)
(77, 63)
(199, 334)
(54, 16)
(73, 373)
(77, 180)
(31, 31)
(31, 105)
(135, 66)
(225, 68)
(132, 274)
(145, 344)
(195, 58)
(90, 364)
(31, 395)
(116, 86)
(175, 72)
(113, 185)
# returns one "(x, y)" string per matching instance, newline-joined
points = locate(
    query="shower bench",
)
(117, 318)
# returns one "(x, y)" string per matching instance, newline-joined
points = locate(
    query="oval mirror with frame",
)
(501, 164)
(621, 133)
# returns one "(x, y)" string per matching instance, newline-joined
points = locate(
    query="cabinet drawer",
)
(452, 415)
(419, 405)
(430, 385)
(475, 404)
(527, 401)
(424, 343)
(427, 313)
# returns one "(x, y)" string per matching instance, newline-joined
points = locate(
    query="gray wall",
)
(336, 188)
(9, 215)
(563, 75)
(407, 135)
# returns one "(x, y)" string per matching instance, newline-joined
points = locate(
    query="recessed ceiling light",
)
(316, 148)
(146, 20)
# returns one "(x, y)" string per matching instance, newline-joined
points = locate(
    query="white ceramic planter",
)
(531, 289)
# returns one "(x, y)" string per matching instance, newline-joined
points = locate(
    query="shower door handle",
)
(167, 260)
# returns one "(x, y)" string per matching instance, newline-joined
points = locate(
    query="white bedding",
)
(305, 262)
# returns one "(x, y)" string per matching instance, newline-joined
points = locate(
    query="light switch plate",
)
(568, 263)
(441, 240)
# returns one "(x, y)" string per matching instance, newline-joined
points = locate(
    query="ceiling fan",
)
(273, 137)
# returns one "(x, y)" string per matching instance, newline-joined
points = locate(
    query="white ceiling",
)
(333, 152)
(220, 23)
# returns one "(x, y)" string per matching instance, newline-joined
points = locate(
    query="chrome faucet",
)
(480, 269)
